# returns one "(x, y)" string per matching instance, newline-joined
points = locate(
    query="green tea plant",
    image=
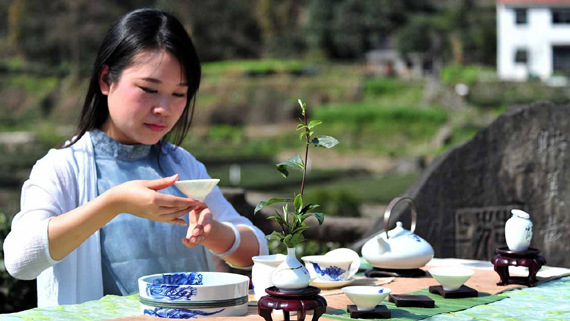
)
(292, 221)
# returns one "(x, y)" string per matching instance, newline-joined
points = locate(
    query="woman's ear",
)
(104, 84)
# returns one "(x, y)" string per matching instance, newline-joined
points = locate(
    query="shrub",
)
(15, 295)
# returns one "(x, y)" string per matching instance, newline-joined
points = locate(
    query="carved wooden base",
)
(506, 258)
(301, 302)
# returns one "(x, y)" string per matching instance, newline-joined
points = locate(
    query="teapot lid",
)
(398, 230)
(388, 212)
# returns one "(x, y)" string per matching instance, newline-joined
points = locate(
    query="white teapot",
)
(398, 248)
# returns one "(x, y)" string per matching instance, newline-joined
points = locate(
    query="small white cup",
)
(366, 298)
(451, 278)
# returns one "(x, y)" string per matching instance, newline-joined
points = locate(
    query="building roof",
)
(534, 2)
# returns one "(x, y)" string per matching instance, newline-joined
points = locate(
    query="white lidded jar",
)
(518, 231)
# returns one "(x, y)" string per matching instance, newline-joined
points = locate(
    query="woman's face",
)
(147, 100)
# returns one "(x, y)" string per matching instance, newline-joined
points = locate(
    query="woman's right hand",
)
(140, 198)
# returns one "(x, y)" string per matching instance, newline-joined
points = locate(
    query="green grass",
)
(276, 65)
(367, 189)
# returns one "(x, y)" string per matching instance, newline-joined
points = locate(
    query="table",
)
(500, 301)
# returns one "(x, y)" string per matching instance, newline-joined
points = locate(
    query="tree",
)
(225, 29)
(281, 27)
(349, 28)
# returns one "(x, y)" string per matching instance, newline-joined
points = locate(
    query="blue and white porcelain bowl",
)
(190, 295)
(328, 268)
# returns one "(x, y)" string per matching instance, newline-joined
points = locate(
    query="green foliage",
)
(15, 295)
(260, 66)
(292, 223)
(379, 86)
(336, 202)
(225, 30)
(422, 34)
(454, 74)
(372, 113)
(501, 93)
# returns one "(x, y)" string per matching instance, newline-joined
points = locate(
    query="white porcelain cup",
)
(329, 268)
(262, 271)
(366, 297)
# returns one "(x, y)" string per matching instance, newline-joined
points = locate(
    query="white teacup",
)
(197, 188)
(329, 268)
(451, 278)
(366, 297)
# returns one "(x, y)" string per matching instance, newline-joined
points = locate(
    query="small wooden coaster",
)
(379, 312)
(463, 292)
(410, 300)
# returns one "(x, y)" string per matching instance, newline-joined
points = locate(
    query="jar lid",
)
(520, 213)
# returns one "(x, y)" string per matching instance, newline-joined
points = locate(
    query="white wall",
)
(538, 36)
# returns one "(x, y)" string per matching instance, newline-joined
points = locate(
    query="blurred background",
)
(397, 82)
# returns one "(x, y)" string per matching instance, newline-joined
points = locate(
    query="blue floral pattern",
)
(191, 278)
(168, 286)
(333, 272)
(178, 313)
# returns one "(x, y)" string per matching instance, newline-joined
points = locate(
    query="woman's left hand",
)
(200, 225)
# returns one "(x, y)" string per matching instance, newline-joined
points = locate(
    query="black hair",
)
(137, 31)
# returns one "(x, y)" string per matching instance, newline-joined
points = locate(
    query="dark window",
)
(521, 16)
(561, 59)
(560, 15)
(521, 56)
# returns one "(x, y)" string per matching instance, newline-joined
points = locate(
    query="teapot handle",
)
(391, 206)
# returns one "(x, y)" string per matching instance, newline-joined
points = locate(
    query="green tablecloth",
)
(548, 301)
(441, 306)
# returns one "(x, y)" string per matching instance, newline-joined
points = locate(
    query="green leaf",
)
(302, 135)
(309, 208)
(294, 161)
(303, 106)
(300, 229)
(325, 141)
(314, 123)
(294, 239)
(277, 218)
(320, 217)
(301, 126)
(298, 203)
(275, 236)
(263, 204)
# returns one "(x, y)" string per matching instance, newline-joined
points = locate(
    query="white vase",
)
(291, 275)
(262, 271)
(518, 231)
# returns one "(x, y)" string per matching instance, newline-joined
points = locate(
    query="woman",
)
(92, 220)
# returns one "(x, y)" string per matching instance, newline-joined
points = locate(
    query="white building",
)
(533, 38)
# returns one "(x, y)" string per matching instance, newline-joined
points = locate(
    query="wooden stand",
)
(463, 292)
(528, 258)
(379, 312)
(301, 302)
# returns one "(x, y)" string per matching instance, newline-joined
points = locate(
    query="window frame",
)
(521, 56)
(521, 16)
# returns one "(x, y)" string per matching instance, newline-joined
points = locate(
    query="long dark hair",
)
(137, 31)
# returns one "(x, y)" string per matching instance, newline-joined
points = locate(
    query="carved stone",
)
(520, 161)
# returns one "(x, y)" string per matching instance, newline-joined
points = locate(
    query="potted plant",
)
(291, 275)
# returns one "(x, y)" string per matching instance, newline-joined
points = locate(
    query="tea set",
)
(393, 249)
